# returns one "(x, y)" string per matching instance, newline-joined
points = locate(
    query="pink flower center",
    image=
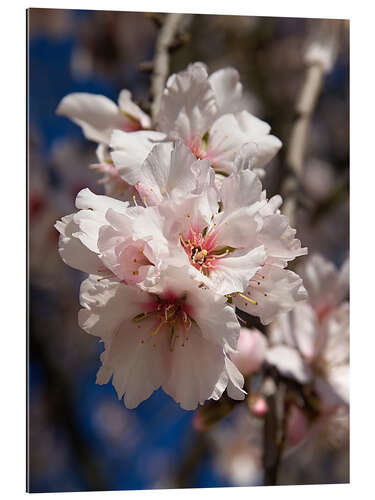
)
(131, 124)
(133, 259)
(170, 315)
(199, 147)
(202, 250)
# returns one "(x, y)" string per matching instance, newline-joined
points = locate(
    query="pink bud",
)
(251, 347)
(258, 405)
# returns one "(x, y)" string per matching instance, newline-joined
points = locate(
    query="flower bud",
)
(251, 349)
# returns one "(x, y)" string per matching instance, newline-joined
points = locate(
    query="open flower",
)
(166, 170)
(176, 336)
(233, 235)
(106, 237)
(204, 113)
(98, 117)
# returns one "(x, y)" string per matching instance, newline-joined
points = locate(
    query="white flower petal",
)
(227, 88)
(231, 132)
(86, 199)
(233, 272)
(238, 229)
(278, 238)
(188, 105)
(106, 304)
(338, 377)
(130, 150)
(235, 381)
(195, 367)
(289, 363)
(71, 249)
(307, 334)
(275, 291)
(326, 285)
(336, 329)
(96, 114)
(241, 189)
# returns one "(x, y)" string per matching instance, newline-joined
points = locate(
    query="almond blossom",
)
(98, 117)
(233, 235)
(180, 231)
(204, 112)
(176, 336)
(311, 343)
(106, 237)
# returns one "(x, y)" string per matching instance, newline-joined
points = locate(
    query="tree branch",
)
(160, 73)
(274, 430)
(319, 58)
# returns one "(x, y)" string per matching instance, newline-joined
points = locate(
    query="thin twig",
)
(160, 73)
(275, 430)
(319, 59)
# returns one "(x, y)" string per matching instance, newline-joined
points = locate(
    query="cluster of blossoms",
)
(184, 235)
(309, 344)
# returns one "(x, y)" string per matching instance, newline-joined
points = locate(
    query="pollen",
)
(135, 273)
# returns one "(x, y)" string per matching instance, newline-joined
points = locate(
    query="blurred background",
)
(80, 436)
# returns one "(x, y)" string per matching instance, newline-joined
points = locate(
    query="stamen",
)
(172, 339)
(162, 322)
(142, 316)
(104, 277)
(245, 297)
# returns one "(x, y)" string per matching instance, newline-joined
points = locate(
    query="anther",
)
(245, 297)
